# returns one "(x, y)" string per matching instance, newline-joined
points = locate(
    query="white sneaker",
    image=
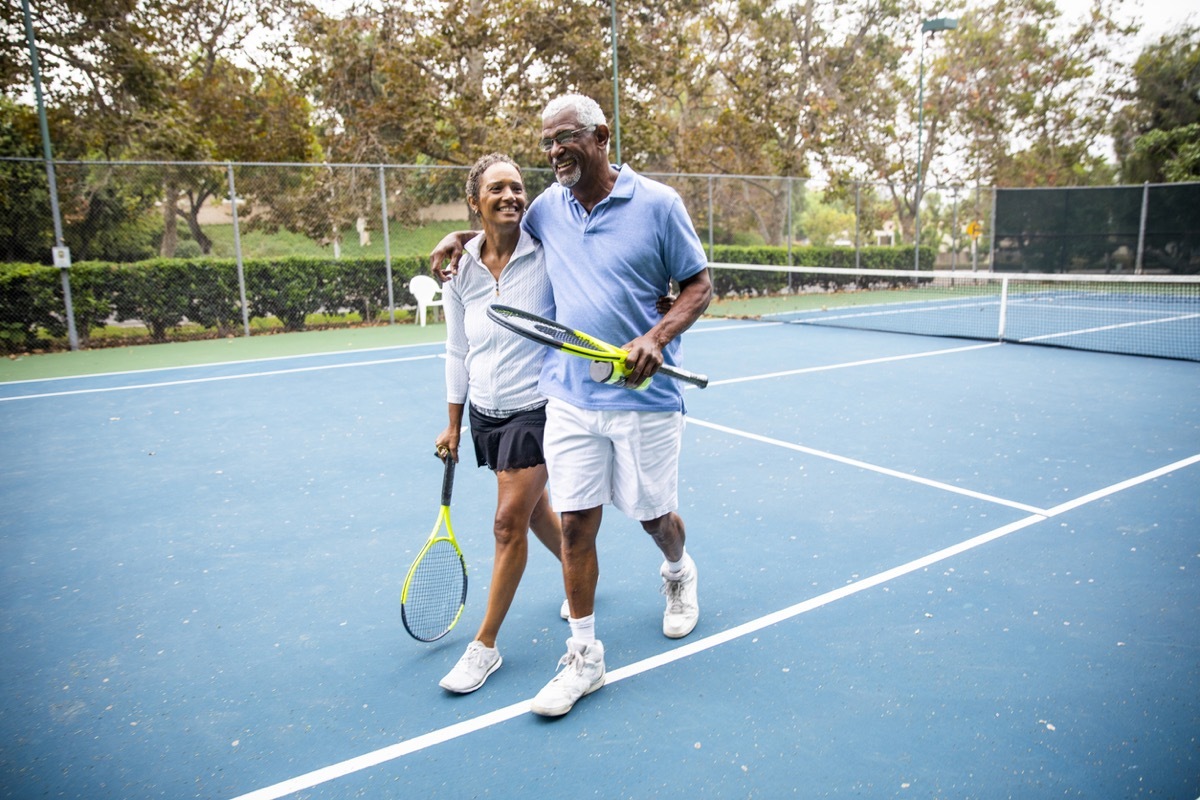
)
(582, 673)
(472, 669)
(565, 611)
(683, 606)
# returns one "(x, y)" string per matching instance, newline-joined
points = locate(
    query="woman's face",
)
(501, 195)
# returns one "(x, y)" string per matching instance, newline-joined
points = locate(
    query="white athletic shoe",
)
(582, 673)
(472, 669)
(683, 605)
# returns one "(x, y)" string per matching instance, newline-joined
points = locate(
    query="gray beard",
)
(571, 178)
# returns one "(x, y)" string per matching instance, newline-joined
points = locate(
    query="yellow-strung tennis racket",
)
(577, 343)
(435, 589)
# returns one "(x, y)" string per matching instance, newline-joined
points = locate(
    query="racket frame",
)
(443, 521)
(593, 348)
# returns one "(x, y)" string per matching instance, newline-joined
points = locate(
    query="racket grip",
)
(447, 479)
(614, 374)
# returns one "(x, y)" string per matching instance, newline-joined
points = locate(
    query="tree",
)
(1029, 94)
(1157, 134)
(825, 221)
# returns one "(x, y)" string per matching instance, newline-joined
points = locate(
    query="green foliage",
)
(31, 299)
(26, 231)
(177, 298)
(156, 292)
(1156, 134)
(824, 223)
(288, 289)
(1175, 152)
(22, 298)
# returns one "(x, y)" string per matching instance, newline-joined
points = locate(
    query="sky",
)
(1157, 16)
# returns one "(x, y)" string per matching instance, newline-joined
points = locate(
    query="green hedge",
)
(165, 293)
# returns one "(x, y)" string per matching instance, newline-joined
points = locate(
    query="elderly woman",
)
(499, 371)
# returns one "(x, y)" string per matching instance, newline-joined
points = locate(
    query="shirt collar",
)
(622, 189)
(525, 246)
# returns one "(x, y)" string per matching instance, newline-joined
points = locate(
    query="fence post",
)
(954, 237)
(975, 239)
(237, 249)
(857, 225)
(1003, 309)
(710, 219)
(789, 226)
(62, 255)
(992, 232)
(387, 246)
(1141, 245)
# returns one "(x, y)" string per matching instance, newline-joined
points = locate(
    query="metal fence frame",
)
(765, 208)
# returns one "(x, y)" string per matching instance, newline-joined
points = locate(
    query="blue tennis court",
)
(929, 567)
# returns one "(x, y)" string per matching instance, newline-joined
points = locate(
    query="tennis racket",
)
(577, 343)
(435, 589)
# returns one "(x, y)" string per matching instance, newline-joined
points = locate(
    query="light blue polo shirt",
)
(606, 271)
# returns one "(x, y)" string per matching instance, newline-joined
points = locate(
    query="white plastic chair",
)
(425, 289)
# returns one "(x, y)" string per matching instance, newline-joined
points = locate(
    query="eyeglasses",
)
(564, 137)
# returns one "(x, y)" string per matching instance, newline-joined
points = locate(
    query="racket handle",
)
(447, 479)
(614, 373)
(694, 378)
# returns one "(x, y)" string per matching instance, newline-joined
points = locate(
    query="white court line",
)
(234, 362)
(844, 365)
(946, 487)
(216, 378)
(1103, 328)
(442, 735)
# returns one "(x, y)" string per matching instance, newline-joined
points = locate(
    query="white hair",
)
(586, 109)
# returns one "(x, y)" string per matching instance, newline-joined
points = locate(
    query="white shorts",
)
(629, 459)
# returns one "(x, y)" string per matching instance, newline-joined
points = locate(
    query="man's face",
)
(574, 159)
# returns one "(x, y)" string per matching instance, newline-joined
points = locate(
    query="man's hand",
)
(645, 352)
(644, 359)
(443, 261)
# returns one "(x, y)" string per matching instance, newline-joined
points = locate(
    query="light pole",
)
(616, 89)
(928, 26)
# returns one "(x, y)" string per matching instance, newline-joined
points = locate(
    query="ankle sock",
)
(676, 567)
(583, 630)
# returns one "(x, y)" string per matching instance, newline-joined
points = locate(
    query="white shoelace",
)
(673, 589)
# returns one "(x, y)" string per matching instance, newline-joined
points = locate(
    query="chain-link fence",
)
(176, 250)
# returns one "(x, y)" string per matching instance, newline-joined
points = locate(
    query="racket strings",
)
(565, 336)
(436, 592)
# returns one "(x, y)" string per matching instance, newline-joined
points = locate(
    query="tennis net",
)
(1146, 315)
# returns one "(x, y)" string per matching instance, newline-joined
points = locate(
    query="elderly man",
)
(614, 241)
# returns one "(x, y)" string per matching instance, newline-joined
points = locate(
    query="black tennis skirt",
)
(510, 443)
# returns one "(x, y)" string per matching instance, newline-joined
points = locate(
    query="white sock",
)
(583, 630)
(676, 567)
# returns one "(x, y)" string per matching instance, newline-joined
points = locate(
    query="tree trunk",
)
(170, 238)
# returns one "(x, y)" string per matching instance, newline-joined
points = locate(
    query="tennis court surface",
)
(929, 567)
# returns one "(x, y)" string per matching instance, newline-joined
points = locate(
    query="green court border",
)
(47, 366)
